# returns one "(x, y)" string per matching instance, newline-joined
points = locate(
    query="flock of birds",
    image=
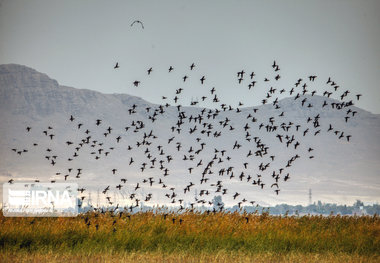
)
(210, 168)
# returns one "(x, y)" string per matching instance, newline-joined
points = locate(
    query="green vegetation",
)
(192, 234)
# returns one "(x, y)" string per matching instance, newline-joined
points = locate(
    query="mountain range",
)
(340, 171)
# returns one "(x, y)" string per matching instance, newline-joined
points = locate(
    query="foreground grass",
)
(224, 237)
(183, 257)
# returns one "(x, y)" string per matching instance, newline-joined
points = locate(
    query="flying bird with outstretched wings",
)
(139, 22)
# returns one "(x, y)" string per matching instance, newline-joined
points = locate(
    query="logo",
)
(40, 199)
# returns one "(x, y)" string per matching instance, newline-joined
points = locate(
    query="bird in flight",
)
(138, 22)
(116, 66)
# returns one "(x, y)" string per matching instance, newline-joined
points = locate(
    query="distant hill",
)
(340, 171)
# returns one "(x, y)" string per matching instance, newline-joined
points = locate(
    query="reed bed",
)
(191, 236)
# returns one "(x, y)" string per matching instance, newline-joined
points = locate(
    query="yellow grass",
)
(219, 237)
(159, 257)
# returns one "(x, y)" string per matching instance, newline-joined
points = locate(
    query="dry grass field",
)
(190, 237)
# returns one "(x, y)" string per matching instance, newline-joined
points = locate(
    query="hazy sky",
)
(78, 42)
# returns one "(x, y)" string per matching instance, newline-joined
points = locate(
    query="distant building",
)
(359, 211)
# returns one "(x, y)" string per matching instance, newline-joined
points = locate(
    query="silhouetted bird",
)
(138, 22)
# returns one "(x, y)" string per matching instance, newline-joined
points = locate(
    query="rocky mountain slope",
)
(341, 170)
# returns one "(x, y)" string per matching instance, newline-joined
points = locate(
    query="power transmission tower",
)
(89, 201)
(97, 199)
(310, 199)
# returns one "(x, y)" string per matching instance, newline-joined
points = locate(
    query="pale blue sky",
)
(78, 42)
